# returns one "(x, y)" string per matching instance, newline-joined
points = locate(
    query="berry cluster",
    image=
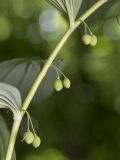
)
(89, 39)
(59, 84)
(31, 137)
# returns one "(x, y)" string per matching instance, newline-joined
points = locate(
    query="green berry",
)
(86, 39)
(36, 142)
(58, 85)
(66, 83)
(93, 40)
(28, 137)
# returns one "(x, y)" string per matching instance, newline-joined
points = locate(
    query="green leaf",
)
(22, 72)
(10, 98)
(76, 7)
(69, 7)
(4, 139)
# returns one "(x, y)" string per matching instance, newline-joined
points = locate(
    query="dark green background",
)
(81, 123)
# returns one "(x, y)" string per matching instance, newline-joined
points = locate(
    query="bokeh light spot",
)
(51, 24)
(32, 157)
(104, 47)
(48, 154)
(53, 154)
(23, 8)
(111, 29)
(5, 28)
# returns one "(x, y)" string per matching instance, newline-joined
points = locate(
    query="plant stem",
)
(43, 72)
(14, 133)
(90, 11)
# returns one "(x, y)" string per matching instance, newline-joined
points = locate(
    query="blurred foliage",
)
(83, 122)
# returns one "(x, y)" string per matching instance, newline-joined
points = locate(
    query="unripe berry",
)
(93, 40)
(58, 85)
(66, 83)
(28, 137)
(36, 142)
(86, 39)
